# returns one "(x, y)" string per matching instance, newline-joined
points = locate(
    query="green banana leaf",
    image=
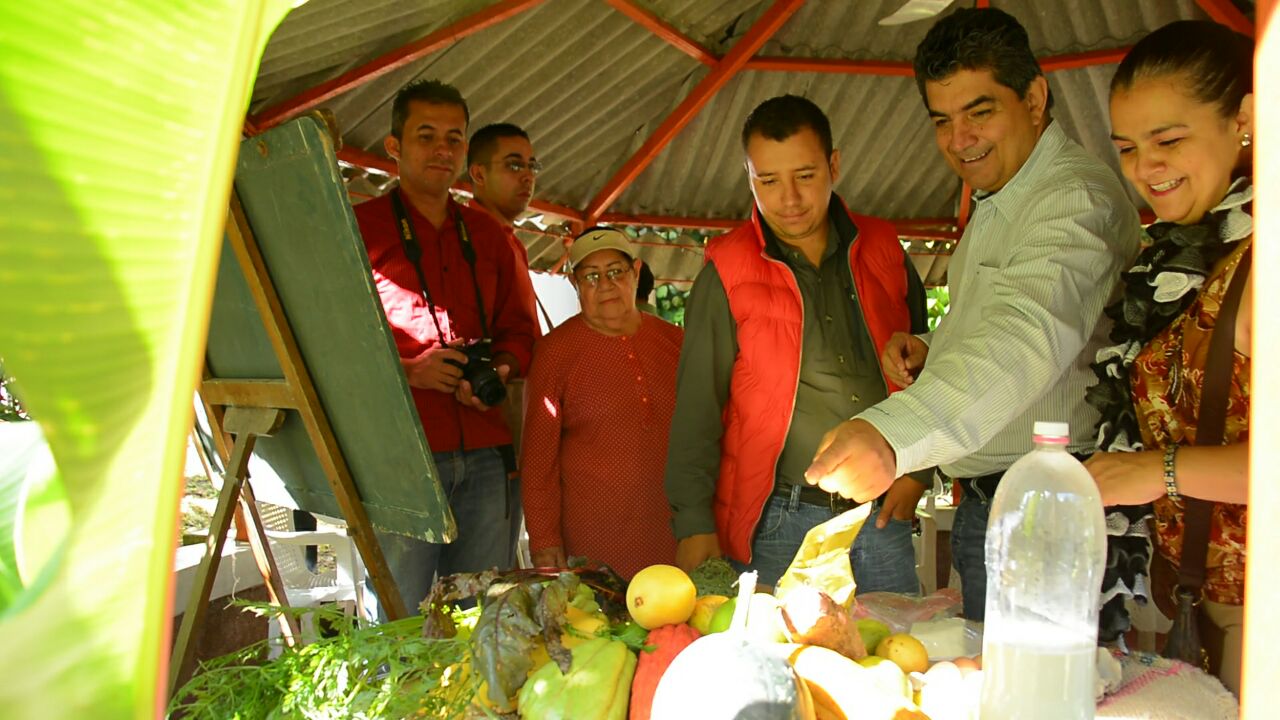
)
(119, 123)
(34, 516)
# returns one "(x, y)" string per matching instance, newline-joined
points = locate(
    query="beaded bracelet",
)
(1170, 482)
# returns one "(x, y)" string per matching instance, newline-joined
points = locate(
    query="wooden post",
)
(246, 425)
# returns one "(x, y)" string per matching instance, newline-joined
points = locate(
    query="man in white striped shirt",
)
(1050, 234)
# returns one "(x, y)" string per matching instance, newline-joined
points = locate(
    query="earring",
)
(1246, 141)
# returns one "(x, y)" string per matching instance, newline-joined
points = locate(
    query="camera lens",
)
(487, 386)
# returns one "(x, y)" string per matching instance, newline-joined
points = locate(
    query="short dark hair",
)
(978, 39)
(427, 91)
(644, 282)
(781, 117)
(485, 141)
(1216, 60)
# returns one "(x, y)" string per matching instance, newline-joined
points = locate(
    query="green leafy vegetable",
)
(382, 671)
(715, 576)
(518, 607)
(631, 635)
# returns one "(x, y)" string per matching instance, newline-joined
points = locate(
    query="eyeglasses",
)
(518, 167)
(592, 279)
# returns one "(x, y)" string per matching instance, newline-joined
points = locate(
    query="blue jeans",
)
(487, 512)
(883, 559)
(969, 554)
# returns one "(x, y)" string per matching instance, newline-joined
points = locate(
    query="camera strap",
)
(413, 251)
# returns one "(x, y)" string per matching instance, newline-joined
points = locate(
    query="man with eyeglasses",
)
(783, 330)
(447, 278)
(601, 392)
(503, 174)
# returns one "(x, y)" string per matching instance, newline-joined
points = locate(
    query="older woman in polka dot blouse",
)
(599, 396)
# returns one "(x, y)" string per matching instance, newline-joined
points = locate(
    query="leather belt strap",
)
(1214, 397)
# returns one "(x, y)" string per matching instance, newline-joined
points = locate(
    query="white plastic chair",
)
(306, 588)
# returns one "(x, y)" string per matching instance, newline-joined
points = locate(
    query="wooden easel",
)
(246, 410)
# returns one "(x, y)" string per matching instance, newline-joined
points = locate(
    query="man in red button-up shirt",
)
(468, 439)
(503, 172)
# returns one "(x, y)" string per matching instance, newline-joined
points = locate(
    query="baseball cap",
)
(599, 238)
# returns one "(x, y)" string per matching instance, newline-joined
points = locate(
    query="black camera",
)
(479, 371)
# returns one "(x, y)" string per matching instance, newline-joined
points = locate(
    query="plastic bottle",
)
(1045, 553)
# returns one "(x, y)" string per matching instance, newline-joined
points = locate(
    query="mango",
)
(722, 617)
(872, 632)
(704, 610)
(905, 651)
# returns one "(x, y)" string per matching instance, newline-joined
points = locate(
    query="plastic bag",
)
(900, 612)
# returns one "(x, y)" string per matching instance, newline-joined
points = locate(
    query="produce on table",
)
(947, 693)
(722, 617)
(765, 622)
(528, 619)
(663, 645)
(705, 609)
(388, 670)
(629, 634)
(661, 595)
(888, 676)
(715, 576)
(732, 675)
(727, 676)
(968, 664)
(822, 562)
(582, 624)
(813, 618)
(905, 651)
(596, 687)
(844, 690)
(872, 632)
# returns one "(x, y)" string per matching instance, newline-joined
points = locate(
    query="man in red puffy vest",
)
(783, 332)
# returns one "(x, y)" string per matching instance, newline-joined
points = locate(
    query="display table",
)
(1155, 688)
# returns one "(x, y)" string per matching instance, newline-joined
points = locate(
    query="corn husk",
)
(822, 562)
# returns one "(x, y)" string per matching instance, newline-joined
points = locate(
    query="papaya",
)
(844, 690)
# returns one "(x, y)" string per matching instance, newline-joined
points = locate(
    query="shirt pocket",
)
(979, 296)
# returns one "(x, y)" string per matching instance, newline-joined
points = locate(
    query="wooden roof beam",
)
(1226, 13)
(733, 61)
(393, 60)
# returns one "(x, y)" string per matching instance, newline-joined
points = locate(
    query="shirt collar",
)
(453, 209)
(1010, 198)
(839, 235)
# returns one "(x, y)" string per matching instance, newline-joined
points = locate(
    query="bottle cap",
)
(1051, 432)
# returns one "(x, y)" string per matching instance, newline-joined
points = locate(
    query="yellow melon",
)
(661, 595)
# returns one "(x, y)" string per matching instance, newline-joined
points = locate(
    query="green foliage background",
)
(938, 302)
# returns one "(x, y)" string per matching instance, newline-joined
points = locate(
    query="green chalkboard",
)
(289, 185)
